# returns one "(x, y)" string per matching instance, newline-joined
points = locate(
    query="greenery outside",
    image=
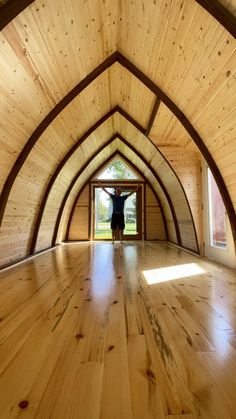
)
(103, 230)
(117, 170)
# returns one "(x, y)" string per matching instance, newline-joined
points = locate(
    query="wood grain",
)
(83, 335)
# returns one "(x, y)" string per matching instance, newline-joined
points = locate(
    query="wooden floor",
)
(91, 330)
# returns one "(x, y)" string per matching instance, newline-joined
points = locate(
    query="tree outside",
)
(117, 170)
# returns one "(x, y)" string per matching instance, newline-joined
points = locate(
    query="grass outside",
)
(103, 230)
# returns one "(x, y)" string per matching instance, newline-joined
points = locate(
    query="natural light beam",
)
(154, 276)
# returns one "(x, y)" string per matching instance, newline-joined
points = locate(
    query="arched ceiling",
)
(140, 177)
(169, 67)
(85, 152)
(118, 144)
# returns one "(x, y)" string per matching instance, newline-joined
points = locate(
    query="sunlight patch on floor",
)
(169, 273)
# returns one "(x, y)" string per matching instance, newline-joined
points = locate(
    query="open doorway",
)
(103, 210)
(117, 173)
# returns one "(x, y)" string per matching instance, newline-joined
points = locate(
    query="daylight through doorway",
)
(103, 212)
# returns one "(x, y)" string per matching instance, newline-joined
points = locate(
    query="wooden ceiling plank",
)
(12, 8)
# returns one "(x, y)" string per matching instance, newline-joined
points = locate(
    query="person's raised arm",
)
(108, 193)
(135, 190)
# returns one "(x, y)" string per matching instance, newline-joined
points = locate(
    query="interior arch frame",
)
(76, 177)
(76, 146)
(118, 57)
(132, 165)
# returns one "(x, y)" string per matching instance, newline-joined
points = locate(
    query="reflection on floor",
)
(135, 331)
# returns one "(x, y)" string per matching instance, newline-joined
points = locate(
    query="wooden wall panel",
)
(79, 228)
(87, 173)
(29, 186)
(155, 229)
(151, 178)
(170, 181)
(28, 189)
(187, 166)
(129, 154)
(73, 165)
(167, 130)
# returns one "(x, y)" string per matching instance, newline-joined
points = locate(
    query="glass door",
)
(103, 212)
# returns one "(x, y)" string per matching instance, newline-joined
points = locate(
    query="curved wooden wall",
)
(160, 166)
(124, 149)
(165, 176)
(79, 226)
(185, 52)
(155, 228)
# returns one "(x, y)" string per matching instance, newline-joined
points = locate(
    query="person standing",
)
(117, 219)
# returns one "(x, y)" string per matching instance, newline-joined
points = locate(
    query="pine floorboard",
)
(95, 330)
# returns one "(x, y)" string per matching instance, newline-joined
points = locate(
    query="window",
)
(217, 214)
(117, 169)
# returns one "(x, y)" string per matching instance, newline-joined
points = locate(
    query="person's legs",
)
(121, 235)
(114, 223)
(121, 226)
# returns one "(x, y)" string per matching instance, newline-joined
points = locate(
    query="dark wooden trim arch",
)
(158, 92)
(153, 116)
(12, 8)
(75, 147)
(43, 126)
(140, 174)
(59, 215)
(57, 171)
(192, 132)
(132, 121)
(220, 13)
(172, 209)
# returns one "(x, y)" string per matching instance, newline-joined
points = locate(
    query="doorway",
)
(102, 211)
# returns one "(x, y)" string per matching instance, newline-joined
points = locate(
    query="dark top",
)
(118, 203)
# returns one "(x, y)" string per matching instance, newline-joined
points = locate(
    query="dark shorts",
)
(117, 220)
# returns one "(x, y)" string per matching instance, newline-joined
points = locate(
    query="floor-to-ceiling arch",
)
(93, 177)
(78, 144)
